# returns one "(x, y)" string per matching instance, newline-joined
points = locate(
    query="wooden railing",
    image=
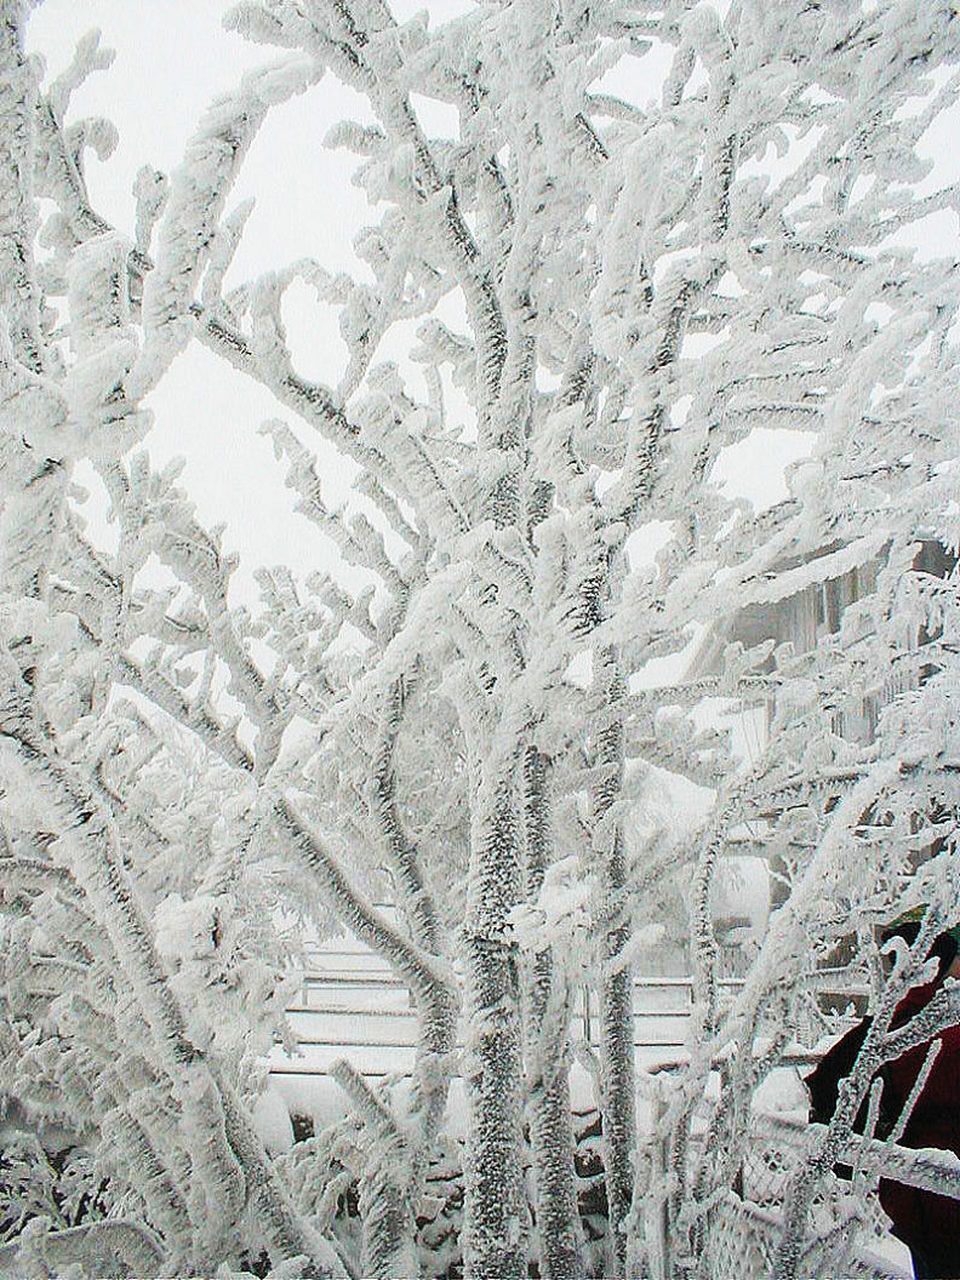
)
(364, 1014)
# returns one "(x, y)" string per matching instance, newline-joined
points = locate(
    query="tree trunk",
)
(548, 1061)
(617, 1102)
(495, 1218)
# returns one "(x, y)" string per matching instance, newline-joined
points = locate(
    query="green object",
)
(915, 916)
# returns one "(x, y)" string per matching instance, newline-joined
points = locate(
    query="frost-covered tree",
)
(132, 1031)
(606, 296)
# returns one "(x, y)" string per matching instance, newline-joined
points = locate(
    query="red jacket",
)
(925, 1222)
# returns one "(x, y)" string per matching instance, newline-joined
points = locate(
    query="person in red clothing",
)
(928, 1224)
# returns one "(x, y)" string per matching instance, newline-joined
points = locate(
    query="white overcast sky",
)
(173, 58)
